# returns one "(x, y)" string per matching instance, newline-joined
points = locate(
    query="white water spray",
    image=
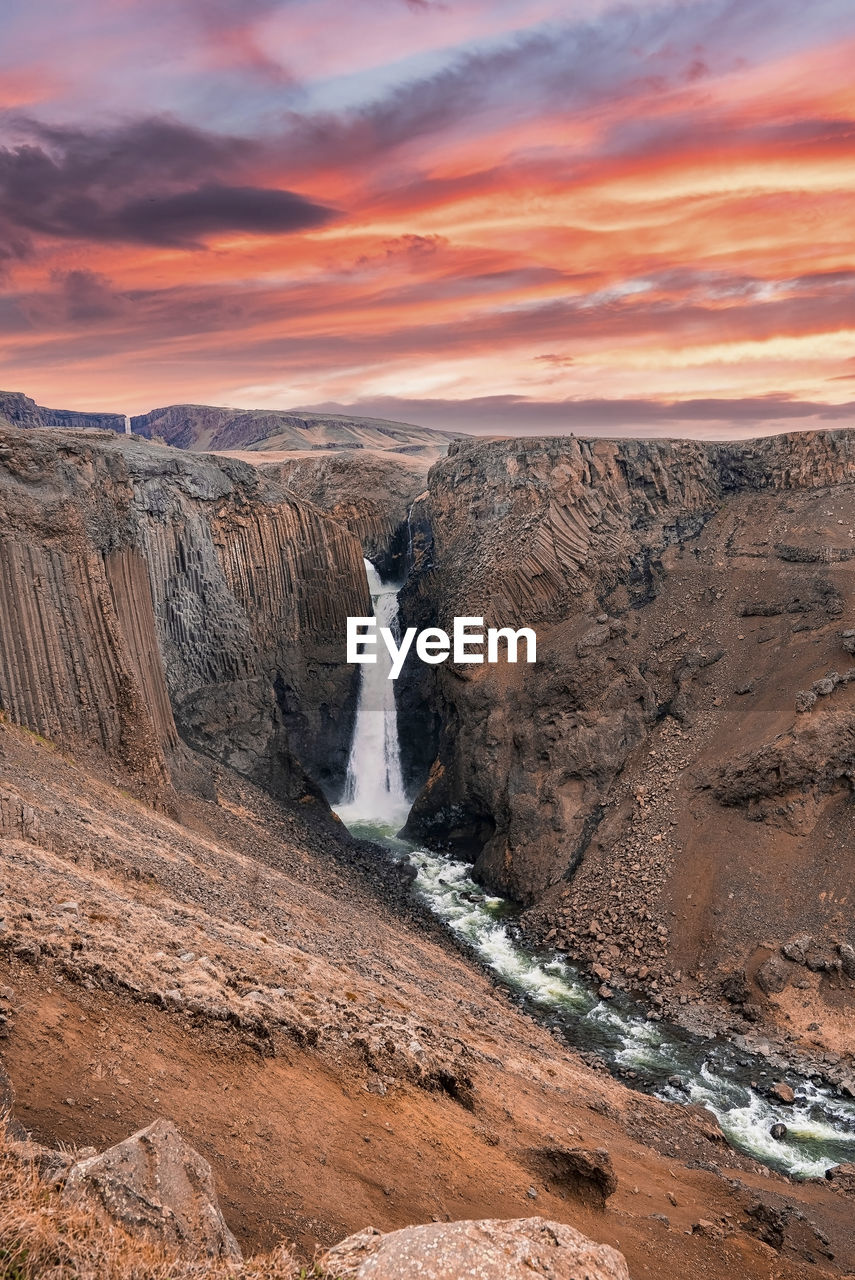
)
(374, 790)
(820, 1127)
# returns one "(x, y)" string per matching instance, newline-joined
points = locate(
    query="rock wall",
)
(369, 494)
(147, 595)
(692, 693)
(533, 533)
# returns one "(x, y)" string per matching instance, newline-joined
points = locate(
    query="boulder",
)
(155, 1185)
(8, 1124)
(783, 1092)
(49, 1164)
(842, 1176)
(797, 948)
(773, 975)
(847, 959)
(488, 1250)
(7, 1096)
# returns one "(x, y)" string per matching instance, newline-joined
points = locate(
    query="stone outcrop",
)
(7, 1095)
(149, 597)
(813, 758)
(20, 411)
(154, 1185)
(488, 1250)
(205, 427)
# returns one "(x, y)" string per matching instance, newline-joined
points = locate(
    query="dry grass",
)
(43, 1239)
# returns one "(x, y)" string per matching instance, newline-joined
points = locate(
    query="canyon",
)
(682, 755)
(189, 931)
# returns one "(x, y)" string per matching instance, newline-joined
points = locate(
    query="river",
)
(666, 1060)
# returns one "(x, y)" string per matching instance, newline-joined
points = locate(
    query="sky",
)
(515, 215)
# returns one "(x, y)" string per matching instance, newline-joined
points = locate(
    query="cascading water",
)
(820, 1125)
(374, 789)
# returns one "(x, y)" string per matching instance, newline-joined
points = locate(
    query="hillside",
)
(19, 410)
(202, 429)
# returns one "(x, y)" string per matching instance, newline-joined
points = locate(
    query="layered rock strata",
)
(203, 427)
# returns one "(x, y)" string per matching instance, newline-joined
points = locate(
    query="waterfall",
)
(374, 790)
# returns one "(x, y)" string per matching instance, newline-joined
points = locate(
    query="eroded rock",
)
(842, 1177)
(156, 1185)
(487, 1250)
(847, 959)
(773, 975)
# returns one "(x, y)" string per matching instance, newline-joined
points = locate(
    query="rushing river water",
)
(731, 1083)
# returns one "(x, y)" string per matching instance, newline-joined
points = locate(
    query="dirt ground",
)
(311, 1135)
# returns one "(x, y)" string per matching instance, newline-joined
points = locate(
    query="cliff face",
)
(147, 596)
(371, 495)
(205, 427)
(650, 788)
(20, 411)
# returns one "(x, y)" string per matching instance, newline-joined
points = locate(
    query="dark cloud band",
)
(153, 182)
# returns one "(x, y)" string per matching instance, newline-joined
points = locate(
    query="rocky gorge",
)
(189, 933)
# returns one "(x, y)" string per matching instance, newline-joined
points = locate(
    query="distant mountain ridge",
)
(211, 429)
(20, 411)
(204, 429)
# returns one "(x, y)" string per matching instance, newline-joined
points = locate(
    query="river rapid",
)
(665, 1059)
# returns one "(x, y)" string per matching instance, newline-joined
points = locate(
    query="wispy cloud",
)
(644, 205)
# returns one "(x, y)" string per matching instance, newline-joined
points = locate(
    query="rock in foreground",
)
(488, 1250)
(155, 1185)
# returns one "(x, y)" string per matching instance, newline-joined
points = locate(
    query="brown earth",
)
(286, 1053)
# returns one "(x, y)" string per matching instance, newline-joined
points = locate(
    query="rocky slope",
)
(203, 428)
(262, 983)
(154, 596)
(669, 789)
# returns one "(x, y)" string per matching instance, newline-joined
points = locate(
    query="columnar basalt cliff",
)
(368, 493)
(116, 553)
(682, 752)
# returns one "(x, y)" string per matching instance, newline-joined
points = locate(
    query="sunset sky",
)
(507, 215)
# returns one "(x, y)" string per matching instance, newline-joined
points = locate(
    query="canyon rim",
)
(427, 640)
